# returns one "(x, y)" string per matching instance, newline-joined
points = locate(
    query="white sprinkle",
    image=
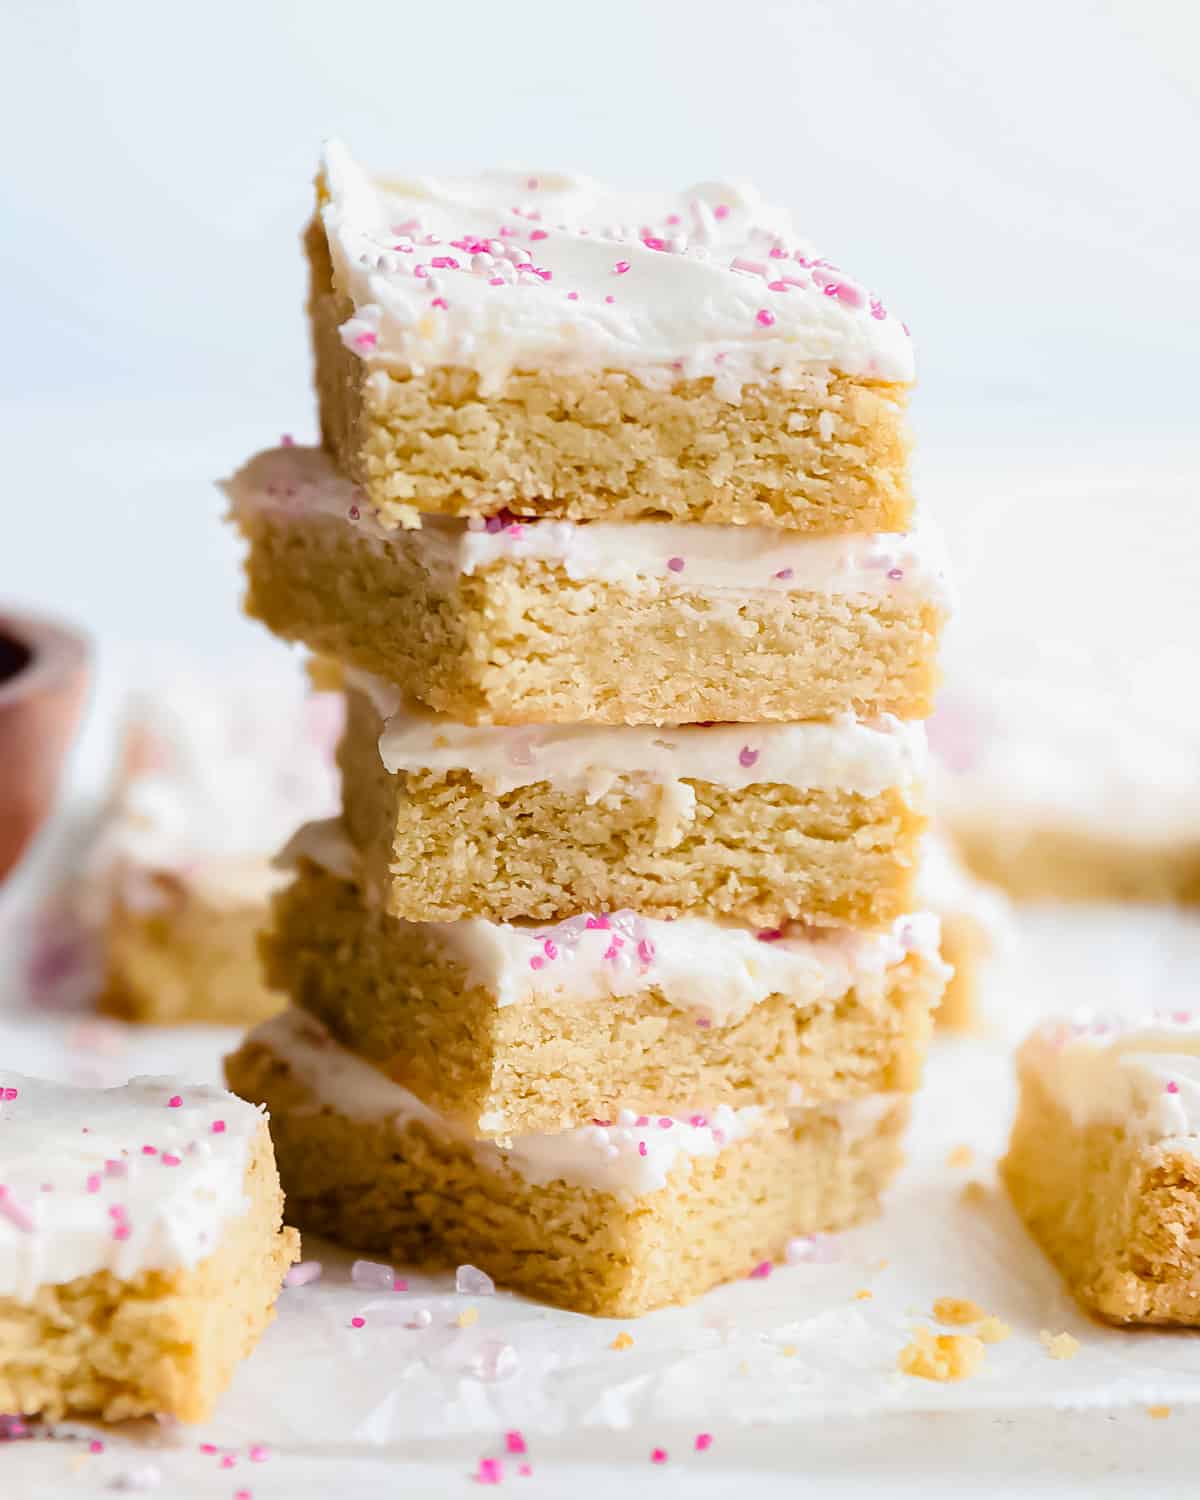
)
(469, 1281)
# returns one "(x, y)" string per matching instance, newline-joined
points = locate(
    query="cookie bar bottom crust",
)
(164, 1342)
(437, 848)
(186, 961)
(388, 992)
(522, 642)
(828, 453)
(1120, 1219)
(1052, 865)
(421, 1197)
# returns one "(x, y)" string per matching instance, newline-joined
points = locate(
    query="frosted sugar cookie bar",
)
(614, 1218)
(506, 620)
(756, 823)
(1104, 1162)
(161, 923)
(140, 1246)
(517, 1027)
(548, 344)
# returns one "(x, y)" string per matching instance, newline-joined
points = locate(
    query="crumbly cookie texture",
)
(186, 958)
(713, 370)
(524, 642)
(614, 1219)
(437, 847)
(155, 1270)
(1116, 1203)
(941, 1356)
(621, 1013)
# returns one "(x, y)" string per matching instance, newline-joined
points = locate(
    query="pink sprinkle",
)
(354, 513)
(674, 219)
(169, 1159)
(786, 573)
(895, 574)
(489, 1471)
(421, 271)
(610, 299)
(524, 1470)
(218, 1127)
(287, 441)
(537, 961)
(703, 1442)
(761, 1271)
(364, 341)
(769, 934)
(444, 263)
(514, 1442)
(877, 309)
(357, 1322)
(658, 1455)
(778, 286)
(495, 281)
(302, 1274)
(208, 1448)
(675, 564)
(115, 1168)
(643, 1150)
(652, 242)
(642, 1121)
(764, 316)
(174, 1101)
(698, 1120)
(538, 234)
(121, 1231)
(645, 951)
(242, 1495)
(440, 302)
(228, 1461)
(9, 1094)
(93, 1182)
(620, 268)
(14, 1213)
(613, 949)
(601, 922)
(665, 1123)
(778, 252)
(1172, 1087)
(747, 757)
(259, 1453)
(149, 1150)
(550, 949)
(703, 1022)
(572, 296)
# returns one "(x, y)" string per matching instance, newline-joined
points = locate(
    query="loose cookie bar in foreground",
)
(512, 621)
(615, 1218)
(755, 823)
(511, 1027)
(552, 345)
(140, 1246)
(1104, 1162)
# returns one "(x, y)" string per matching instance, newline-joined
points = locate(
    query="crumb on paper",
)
(468, 1316)
(992, 1330)
(788, 1351)
(623, 1340)
(958, 1311)
(974, 1193)
(940, 1356)
(1059, 1345)
(864, 1294)
(960, 1156)
(882, 1266)
(1159, 1413)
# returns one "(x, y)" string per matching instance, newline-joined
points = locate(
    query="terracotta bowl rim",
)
(57, 651)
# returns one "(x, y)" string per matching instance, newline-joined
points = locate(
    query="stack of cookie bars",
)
(607, 980)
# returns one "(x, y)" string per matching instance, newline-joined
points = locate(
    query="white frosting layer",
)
(79, 1193)
(213, 777)
(518, 271)
(716, 971)
(1143, 1075)
(842, 754)
(640, 556)
(1107, 749)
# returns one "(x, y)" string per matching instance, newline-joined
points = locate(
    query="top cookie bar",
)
(551, 346)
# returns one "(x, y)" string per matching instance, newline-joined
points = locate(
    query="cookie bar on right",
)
(1104, 1162)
